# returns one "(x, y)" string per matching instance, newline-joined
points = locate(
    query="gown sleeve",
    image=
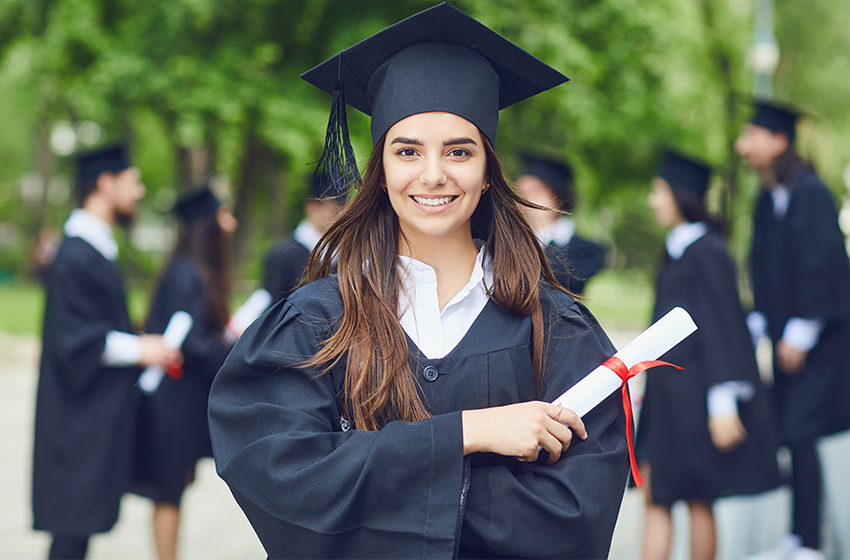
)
(310, 489)
(79, 321)
(181, 289)
(568, 509)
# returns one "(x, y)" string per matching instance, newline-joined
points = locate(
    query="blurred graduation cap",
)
(197, 203)
(90, 165)
(776, 117)
(437, 60)
(557, 174)
(684, 173)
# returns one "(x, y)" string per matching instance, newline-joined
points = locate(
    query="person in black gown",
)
(86, 402)
(173, 431)
(574, 259)
(801, 291)
(394, 409)
(705, 432)
(286, 261)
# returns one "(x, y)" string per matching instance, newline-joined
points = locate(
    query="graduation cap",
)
(557, 174)
(90, 165)
(197, 203)
(437, 60)
(684, 173)
(776, 118)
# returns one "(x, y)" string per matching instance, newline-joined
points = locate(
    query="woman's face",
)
(226, 220)
(435, 167)
(540, 193)
(663, 204)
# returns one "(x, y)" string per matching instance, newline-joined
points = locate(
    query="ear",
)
(105, 183)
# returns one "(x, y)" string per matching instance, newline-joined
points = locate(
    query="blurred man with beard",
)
(89, 364)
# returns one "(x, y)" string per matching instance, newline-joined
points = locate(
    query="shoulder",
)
(183, 273)
(556, 303)
(712, 244)
(288, 245)
(319, 300)
(586, 245)
(809, 186)
(75, 255)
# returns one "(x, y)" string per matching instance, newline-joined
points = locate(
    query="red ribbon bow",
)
(616, 365)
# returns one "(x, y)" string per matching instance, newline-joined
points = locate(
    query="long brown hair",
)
(205, 244)
(379, 384)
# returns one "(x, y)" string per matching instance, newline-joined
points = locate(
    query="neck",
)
(451, 258)
(97, 206)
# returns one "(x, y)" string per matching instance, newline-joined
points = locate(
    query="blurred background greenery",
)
(211, 89)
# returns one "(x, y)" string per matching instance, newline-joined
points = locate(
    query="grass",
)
(618, 299)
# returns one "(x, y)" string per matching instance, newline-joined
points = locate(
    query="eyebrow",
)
(457, 141)
(403, 140)
(449, 142)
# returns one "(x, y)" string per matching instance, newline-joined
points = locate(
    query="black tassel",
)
(336, 170)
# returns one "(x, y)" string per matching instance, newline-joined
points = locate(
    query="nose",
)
(433, 174)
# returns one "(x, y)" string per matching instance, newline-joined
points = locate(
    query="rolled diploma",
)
(175, 333)
(253, 307)
(651, 344)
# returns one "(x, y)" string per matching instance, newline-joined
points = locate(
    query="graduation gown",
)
(313, 488)
(285, 264)
(673, 433)
(172, 431)
(576, 263)
(84, 410)
(800, 269)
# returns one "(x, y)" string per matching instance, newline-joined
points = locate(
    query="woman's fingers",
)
(570, 418)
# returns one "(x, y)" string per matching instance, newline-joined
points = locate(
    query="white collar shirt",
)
(93, 231)
(561, 231)
(307, 235)
(437, 333)
(683, 236)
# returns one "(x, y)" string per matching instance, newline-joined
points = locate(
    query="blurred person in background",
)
(801, 290)
(173, 433)
(549, 183)
(286, 261)
(86, 402)
(706, 432)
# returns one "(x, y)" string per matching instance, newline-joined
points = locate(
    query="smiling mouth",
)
(433, 201)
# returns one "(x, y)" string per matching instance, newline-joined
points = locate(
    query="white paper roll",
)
(253, 307)
(651, 344)
(175, 333)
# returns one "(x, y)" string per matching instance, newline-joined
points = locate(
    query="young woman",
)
(173, 430)
(704, 432)
(395, 409)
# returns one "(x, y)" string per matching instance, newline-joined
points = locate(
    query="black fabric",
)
(68, 548)
(776, 118)
(90, 165)
(197, 203)
(806, 486)
(284, 265)
(576, 263)
(800, 269)
(684, 173)
(84, 411)
(556, 174)
(673, 433)
(311, 489)
(386, 77)
(172, 429)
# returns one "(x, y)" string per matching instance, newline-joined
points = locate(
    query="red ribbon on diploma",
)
(616, 365)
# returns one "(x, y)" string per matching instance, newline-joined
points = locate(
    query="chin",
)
(125, 219)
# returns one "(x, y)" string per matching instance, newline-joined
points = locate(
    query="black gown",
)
(576, 263)
(84, 410)
(800, 269)
(673, 435)
(285, 263)
(314, 490)
(173, 432)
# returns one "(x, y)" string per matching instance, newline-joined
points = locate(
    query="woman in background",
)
(173, 430)
(704, 432)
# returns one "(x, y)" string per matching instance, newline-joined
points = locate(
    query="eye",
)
(459, 152)
(406, 152)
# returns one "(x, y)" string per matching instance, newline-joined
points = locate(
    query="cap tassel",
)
(336, 170)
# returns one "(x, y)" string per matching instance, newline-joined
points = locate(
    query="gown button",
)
(430, 373)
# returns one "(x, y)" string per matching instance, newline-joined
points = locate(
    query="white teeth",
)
(433, 201)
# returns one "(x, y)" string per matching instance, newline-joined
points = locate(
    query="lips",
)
(439, 201)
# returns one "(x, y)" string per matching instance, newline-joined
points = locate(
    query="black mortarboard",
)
(197, 203)
(556, 174)
(437, 60)
(90, 165)
(776, 118)
(684, 173)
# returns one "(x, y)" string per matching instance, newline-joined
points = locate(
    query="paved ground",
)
(214, 527)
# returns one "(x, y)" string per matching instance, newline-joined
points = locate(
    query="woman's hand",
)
(790, 360)
(727, 432)
(516, 430)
